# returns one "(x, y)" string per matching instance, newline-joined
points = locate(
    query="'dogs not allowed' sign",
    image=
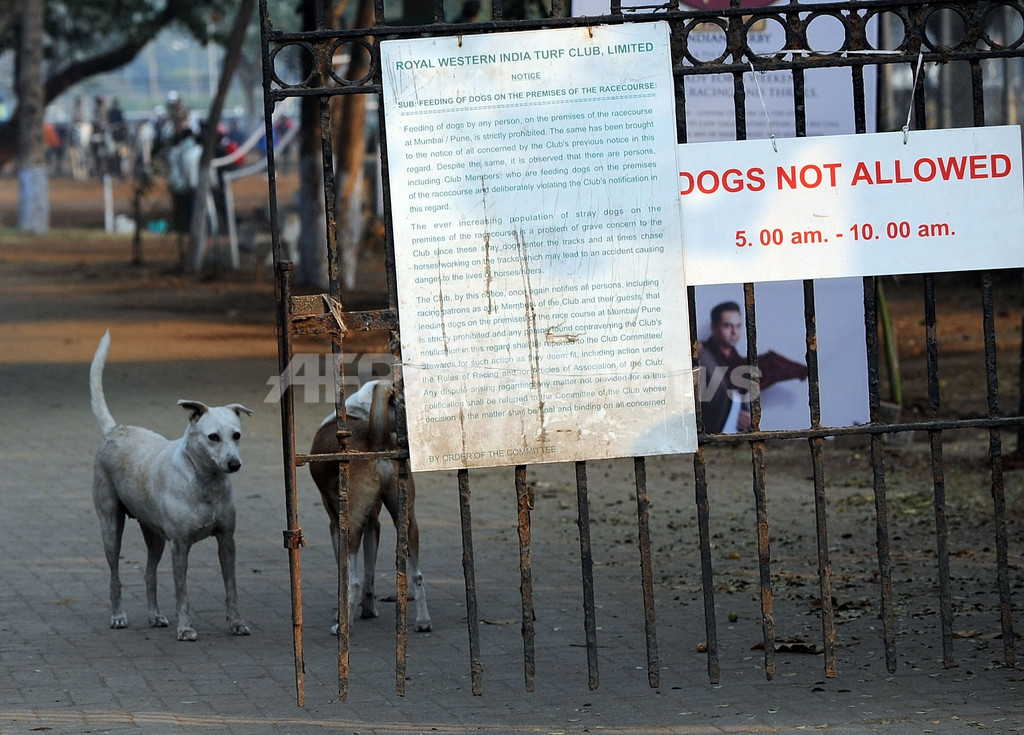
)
(856, 205)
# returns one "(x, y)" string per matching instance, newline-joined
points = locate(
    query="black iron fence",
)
(972, 53)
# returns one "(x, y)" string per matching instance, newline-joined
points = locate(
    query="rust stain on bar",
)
(524, 505)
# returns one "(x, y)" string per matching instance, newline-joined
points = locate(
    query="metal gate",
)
(962, 36)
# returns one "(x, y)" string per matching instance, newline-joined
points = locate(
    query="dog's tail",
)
(99, 402)
(379, 427)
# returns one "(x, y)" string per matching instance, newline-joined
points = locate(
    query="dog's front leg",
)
(371, 539)
(179, 568)
(419, 591)
(226, 554)
(112, 530)
(155, 545)
(355, 584)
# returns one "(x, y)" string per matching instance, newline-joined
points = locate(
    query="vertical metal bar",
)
(764, 557)
(268, 114)
(342, 521)
(739, 96)
(938, 474)
(401, 581)
(681, 111)
(402, 551)
(757, 456)
(978, 92)
(700, 496)
(942, 549)
(1020, 379)
(398, 379)
(828, 626)
(344, 614)
(817, 445)
(750, 319)
(524, 505)
(707, 574)
(293, 540)
(587, 564)
(878, 477)
(811, 333)
(643, 514)
(799, 104)
(469, 573)
(321, 74)
(757, 452)
(859, 108)
(327, 153)
(995, 454)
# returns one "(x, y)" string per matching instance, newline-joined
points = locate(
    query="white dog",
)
(179, 491)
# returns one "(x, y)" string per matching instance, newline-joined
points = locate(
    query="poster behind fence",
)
(538, 246)
(782, 346)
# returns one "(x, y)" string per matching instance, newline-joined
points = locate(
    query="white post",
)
(108, 203)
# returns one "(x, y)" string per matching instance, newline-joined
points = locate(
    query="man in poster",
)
(726, 378)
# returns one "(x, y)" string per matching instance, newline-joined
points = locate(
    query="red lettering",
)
(832, 168)
(707, 188)
(756, 176)
(978, 167)
(878, 174)
(789, 179)
(861, 175)
(999, 172)
(900, 179)
(952, 166)
(687, 186)
(814, 179)
(919, 169)
(732, 180)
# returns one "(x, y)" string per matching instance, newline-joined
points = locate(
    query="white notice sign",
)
(538, 246)
(852, 205)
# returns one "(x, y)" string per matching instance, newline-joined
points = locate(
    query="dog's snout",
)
(234, 465)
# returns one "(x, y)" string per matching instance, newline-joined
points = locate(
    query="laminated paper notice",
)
(538, 247)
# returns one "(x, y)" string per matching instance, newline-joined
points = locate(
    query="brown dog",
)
(371, 483)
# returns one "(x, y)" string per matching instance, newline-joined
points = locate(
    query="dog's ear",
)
(195, 409)
(239, 409)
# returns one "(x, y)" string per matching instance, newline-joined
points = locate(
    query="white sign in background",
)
(857, 205)
(769, 108)
(538, 246)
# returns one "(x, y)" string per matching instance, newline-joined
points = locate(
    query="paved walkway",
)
(63, 670)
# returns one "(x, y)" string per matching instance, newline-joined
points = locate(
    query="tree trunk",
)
(312, 269)
(350, 145)
(197, 232)
(33, 184)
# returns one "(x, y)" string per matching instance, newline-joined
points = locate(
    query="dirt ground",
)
(58, 292)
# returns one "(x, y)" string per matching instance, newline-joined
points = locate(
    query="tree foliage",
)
(88, 37)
